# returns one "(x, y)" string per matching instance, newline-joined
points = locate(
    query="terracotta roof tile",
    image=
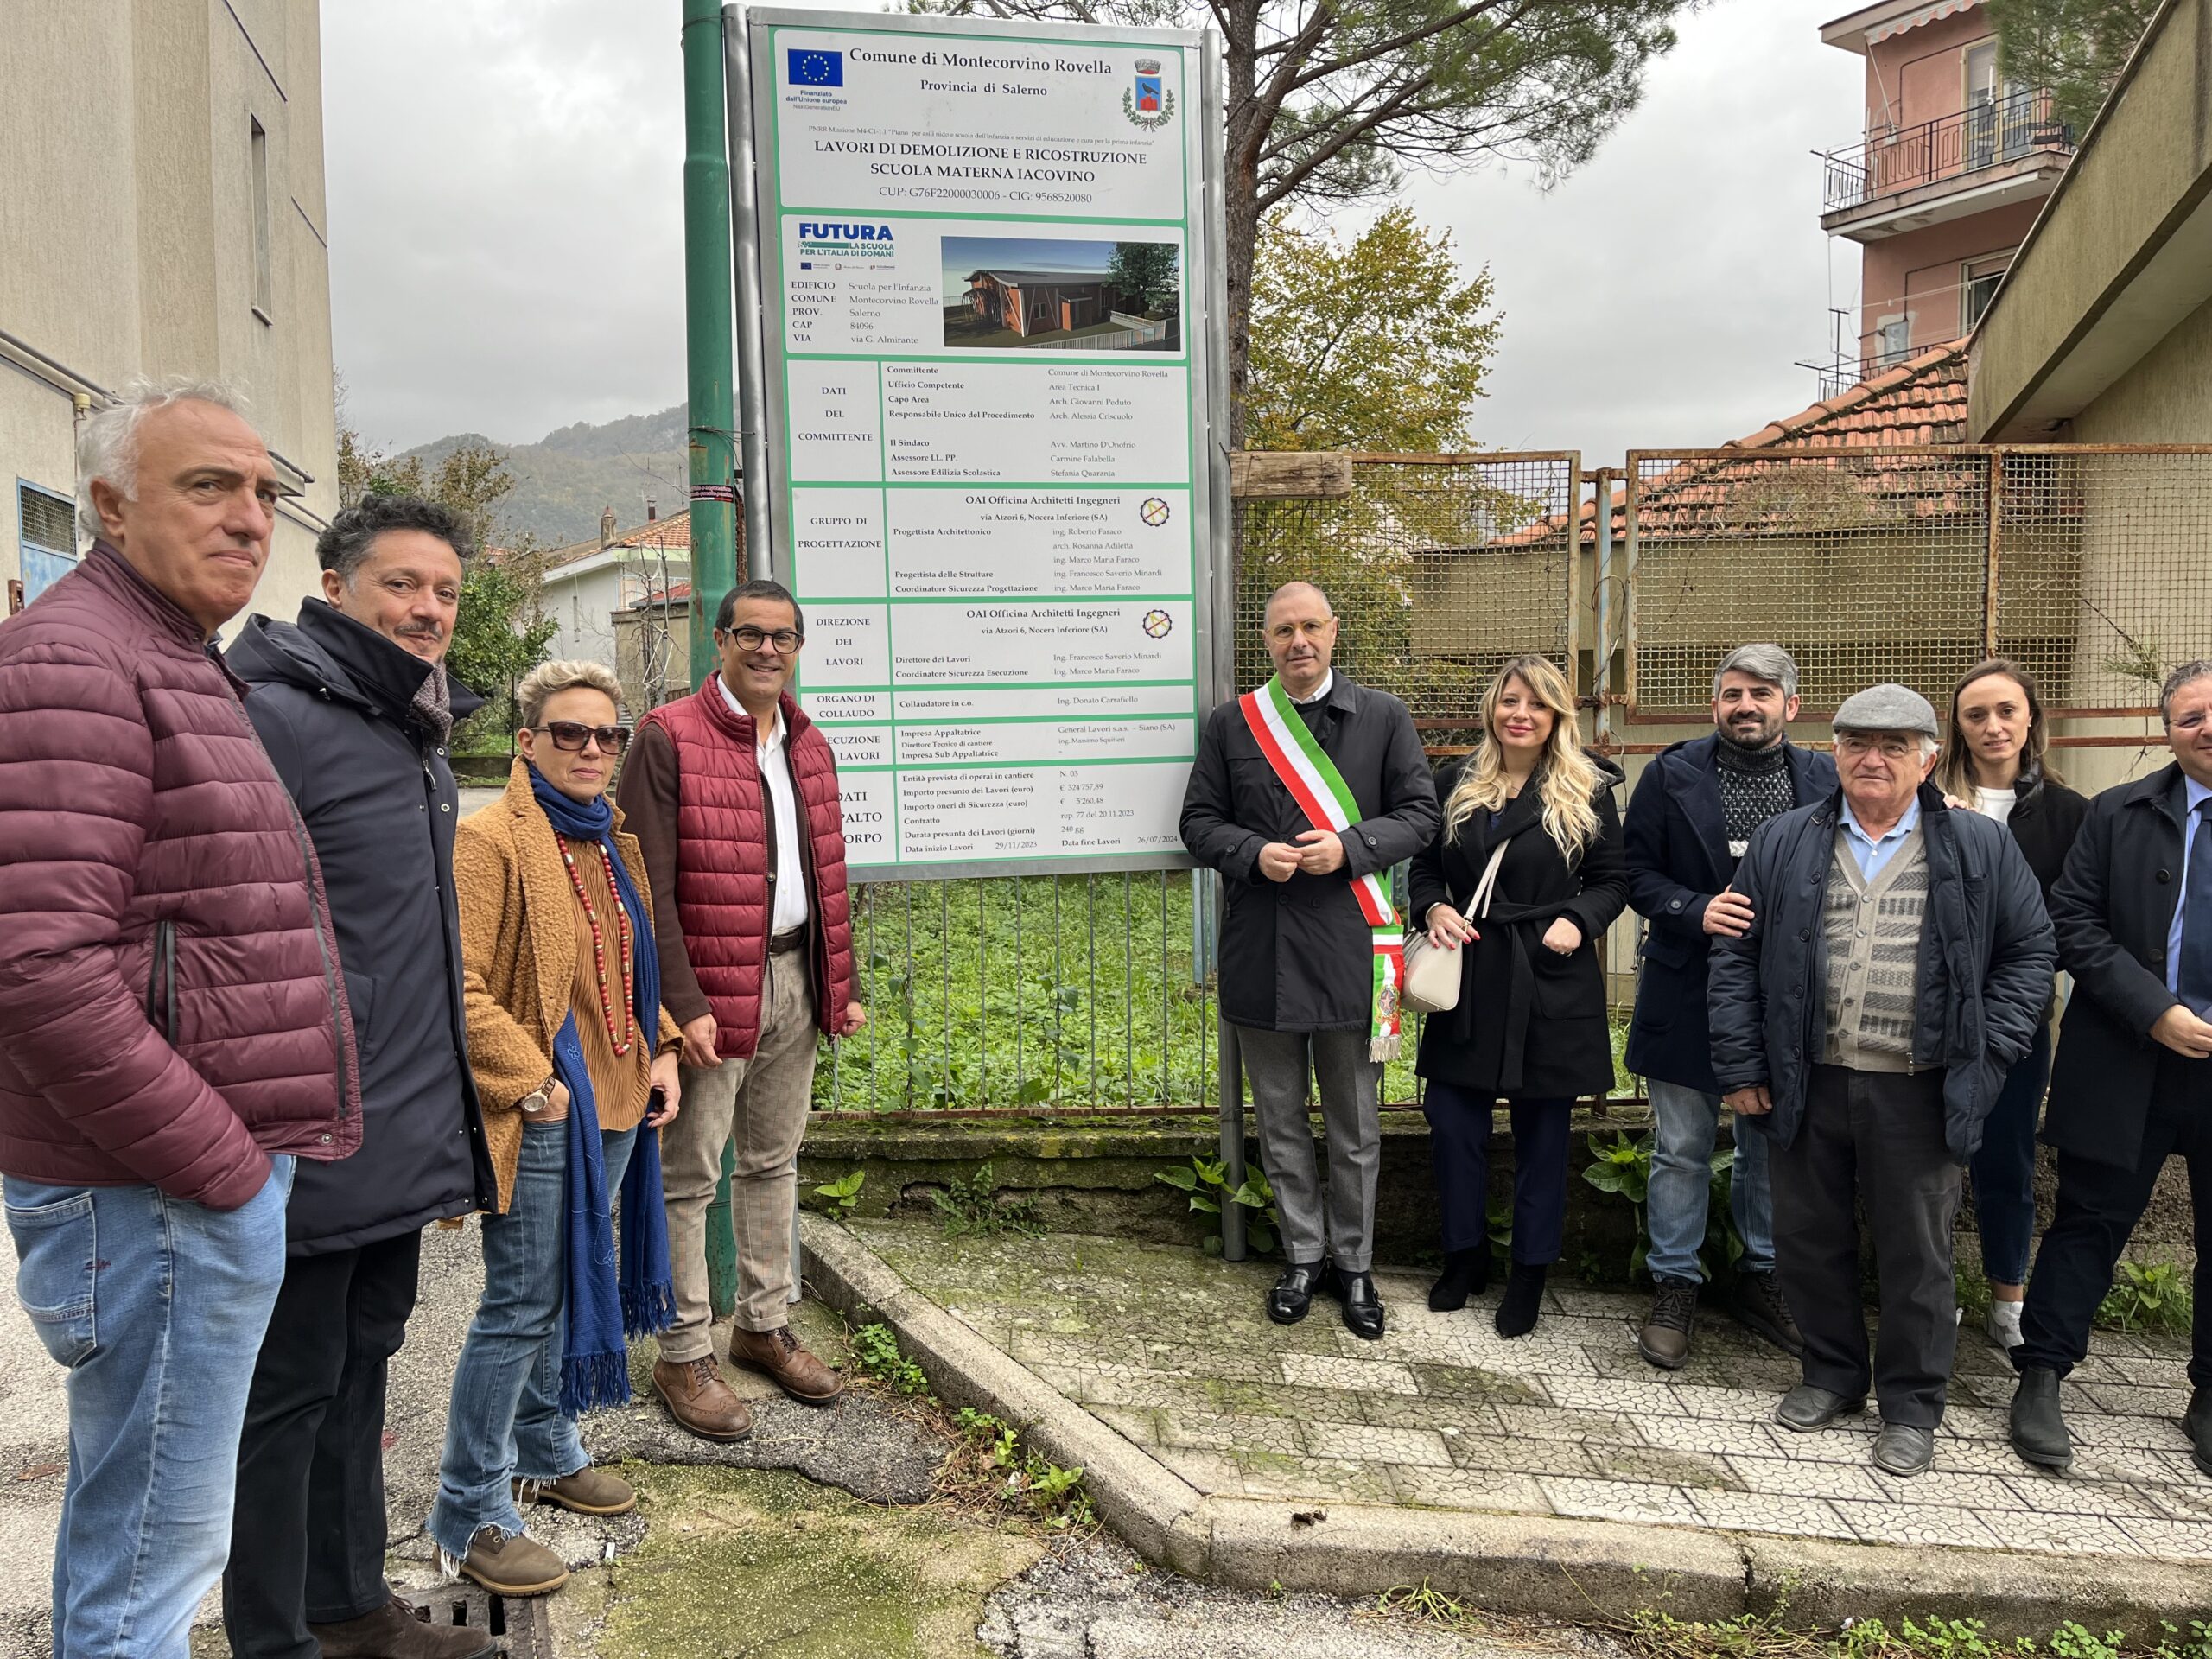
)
(668, 534)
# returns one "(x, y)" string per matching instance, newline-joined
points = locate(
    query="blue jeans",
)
(157, 1307)
(2004, 1168)
(504, 1419)
(1459, 1131)
(1689, 1123)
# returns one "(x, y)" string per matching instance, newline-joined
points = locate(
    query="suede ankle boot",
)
(1466, 1273)
(1524, 1294)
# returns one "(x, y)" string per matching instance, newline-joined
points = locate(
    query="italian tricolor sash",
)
(1322, 794)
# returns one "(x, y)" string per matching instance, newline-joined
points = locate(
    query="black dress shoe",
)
(2198, 1423)
(2038, 1428)
(1363, 1307)
(1294, 1292)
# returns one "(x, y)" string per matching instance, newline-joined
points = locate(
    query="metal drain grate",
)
(517, 1625)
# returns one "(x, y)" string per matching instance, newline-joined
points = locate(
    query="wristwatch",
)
(535, 1104)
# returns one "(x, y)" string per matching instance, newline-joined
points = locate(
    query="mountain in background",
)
(565, 480)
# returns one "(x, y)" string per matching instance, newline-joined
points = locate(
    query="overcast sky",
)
(506, 251)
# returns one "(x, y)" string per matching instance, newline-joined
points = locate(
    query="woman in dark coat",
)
(1530, 1026)
(1994, 762)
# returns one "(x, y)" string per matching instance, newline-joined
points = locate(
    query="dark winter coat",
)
(1677, 844)
(692, 792)
(330, 699)
(1981, 983)
(1298, 955)
(2045, 819)
(1530, 1023)
(171, 1010)
(2112, 909)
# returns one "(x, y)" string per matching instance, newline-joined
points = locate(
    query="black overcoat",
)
(2112, 909)
(2046, 817)
(1298, 955)
(1981, 984)
(1676, 837)
(1530, 1024)
(330, 699)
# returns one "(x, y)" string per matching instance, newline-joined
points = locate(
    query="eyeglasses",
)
(785, 640)
(571, 735)
(1283, 633)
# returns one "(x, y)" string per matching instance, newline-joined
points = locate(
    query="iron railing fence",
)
(1985, 135)
(2090, 564)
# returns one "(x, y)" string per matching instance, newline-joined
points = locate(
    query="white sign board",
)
(983, 273)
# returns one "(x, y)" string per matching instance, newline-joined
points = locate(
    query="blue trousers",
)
(504, 1419)
(2005, 1167)
(1688, 1124)
(1459, 1130)
(157, 1307)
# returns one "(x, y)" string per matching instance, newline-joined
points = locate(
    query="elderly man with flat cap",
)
(1896, 968)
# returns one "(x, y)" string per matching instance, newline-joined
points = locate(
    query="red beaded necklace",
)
(622, 1043)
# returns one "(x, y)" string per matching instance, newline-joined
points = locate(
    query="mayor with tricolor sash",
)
(1305, 793)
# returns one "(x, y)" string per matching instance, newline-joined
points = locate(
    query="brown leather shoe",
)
(511, 1566)
(398, 1630)
(695, 1396)
(778, 1354)
(588, 1492)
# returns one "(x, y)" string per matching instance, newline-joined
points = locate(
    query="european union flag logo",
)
(816, 69)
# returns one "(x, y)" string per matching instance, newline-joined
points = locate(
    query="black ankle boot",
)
(1466, 1273)
(1524, 1291)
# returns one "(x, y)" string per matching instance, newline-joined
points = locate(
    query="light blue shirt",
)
(1870, 853)
(2196, 794)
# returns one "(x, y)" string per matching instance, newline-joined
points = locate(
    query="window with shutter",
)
(47, 532)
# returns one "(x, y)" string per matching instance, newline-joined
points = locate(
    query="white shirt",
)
(790, 909)
(1318, 692)
(1996, 803)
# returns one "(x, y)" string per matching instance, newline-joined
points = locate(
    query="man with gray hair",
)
(2132, 1082)
(354, 706)
(1895, 967)
(174, 1029)
(1692, 815)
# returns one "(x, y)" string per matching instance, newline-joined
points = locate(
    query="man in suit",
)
(2132, 1081)
(1305, 823)
(1691, 817)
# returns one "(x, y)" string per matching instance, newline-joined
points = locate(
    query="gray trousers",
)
(1876, 1139)
(1278, 1064)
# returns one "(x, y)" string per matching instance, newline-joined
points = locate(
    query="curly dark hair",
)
(352, 532)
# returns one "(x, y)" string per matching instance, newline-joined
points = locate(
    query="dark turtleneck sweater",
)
(1755, 785)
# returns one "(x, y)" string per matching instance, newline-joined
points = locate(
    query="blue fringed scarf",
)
(606, 1303)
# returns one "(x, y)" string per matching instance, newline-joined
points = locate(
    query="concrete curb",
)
(1533, 1565)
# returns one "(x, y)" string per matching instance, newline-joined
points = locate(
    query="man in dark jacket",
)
(2132, 1081)
(1298, 976)
(173, 1027)
(354, 707)
(1692, 815)
(1897, 963)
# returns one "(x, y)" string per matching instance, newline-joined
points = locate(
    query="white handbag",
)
(1432, 973)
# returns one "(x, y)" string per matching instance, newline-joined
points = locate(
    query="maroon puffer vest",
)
(170, 994)
(722, 861)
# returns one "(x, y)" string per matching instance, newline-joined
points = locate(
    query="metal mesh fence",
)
(2093, 567)
(1438, 568)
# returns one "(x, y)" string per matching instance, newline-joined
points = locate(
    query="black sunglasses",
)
(572, 734)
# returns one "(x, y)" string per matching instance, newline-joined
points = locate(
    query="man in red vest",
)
(733, 796)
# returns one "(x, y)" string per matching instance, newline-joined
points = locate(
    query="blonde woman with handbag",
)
(1531, 815)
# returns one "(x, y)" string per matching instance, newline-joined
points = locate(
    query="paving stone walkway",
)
(1172, 1349)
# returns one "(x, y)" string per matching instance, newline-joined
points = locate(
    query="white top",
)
(1995, 803)
(789, 908)
(1328, 679)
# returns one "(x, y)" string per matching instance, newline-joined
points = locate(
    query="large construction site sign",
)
(978, 342)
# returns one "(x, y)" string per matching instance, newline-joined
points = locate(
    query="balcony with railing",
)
(1896, 178)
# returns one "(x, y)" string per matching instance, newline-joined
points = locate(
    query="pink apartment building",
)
(1939, 192)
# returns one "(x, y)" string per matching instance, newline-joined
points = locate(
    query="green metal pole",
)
(711, 357)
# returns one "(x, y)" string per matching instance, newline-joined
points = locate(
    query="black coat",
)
(1676, 839)
(1530, 1023)
(1980, 987)
(2045, 819)
(2112, 909)
(1298, 955)
(330, 700)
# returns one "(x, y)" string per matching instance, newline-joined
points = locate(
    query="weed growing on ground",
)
(876, 1355)
(839, 1196)
(994, 1459)
(1422, 1601)
(1751, 1636)
(1207, 1182)
(2153, 1296)
(975, 1208)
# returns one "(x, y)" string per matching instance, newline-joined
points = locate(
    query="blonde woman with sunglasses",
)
(1531, 1028)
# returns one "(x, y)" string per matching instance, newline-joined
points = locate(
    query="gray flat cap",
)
(1887, 709)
